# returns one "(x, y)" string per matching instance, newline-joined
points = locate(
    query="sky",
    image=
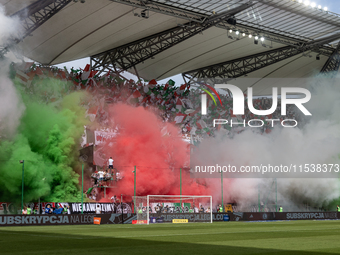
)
(332, 5)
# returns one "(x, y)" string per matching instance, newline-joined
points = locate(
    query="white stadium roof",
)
(93, 28)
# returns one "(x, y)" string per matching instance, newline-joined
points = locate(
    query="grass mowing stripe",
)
(300, 237)
(84, 236)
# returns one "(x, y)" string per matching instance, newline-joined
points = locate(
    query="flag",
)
(135, 97)
(182, 87)
(89, 191)
(180, 117)
(92, 74)
(201, 124)
(193, 130)
(179, 106)
(170, 83)
(92, 112)
(153, 82)
(86, 72)
(147, 90)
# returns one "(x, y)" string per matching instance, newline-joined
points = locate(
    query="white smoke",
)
(317, 142)
(11, 107)
(9, 27)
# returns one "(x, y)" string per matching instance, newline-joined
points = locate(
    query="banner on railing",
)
(71, 208)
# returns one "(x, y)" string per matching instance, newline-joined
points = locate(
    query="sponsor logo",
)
(139, 222)
(317, 215)
(46, 220)
(218, 217)
(238, 100)
(96, 220)
(238, 105)
(180, 221)
(33, 220)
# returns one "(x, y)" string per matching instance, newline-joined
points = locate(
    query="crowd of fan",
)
(180, 105)
(27, 210)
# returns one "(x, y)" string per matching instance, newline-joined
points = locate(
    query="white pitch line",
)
(217, 233)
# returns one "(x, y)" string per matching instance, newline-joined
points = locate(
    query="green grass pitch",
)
(289, 237)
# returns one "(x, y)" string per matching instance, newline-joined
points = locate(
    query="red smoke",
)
(141, 142)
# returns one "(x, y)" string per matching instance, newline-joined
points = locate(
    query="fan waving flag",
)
(136, 97)
(179, 117)
(86, 72)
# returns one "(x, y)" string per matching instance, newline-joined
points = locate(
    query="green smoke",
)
(48, 140)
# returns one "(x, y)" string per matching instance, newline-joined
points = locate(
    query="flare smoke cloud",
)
(316, 142)
(11, 107)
